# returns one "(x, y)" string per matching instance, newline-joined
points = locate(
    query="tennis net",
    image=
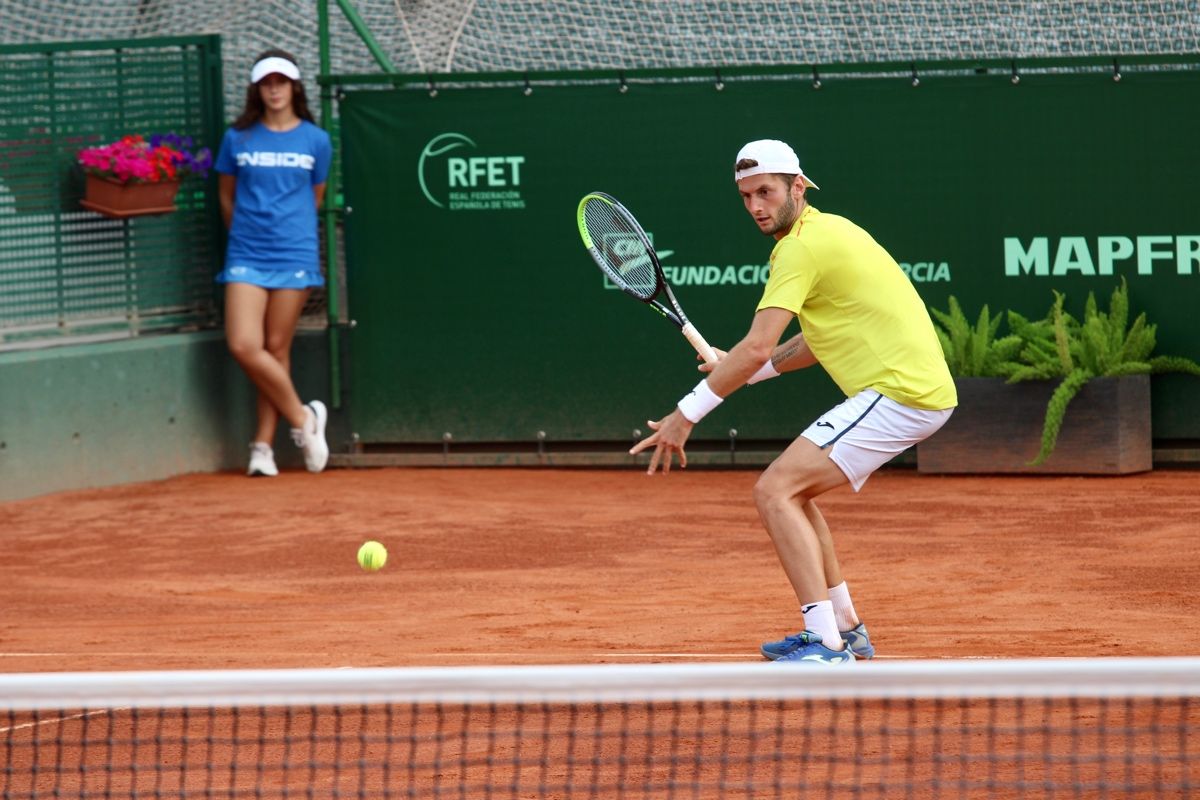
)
(1102, 728)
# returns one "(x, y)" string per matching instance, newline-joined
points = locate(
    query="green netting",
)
(69, 272)
(466, 36)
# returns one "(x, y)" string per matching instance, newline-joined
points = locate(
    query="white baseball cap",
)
(772, 156)
(271, 65)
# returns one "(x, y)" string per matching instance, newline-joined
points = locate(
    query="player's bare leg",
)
(802, 472)
(833, 570)
(283, 310)
(245, 329)
(848, 620)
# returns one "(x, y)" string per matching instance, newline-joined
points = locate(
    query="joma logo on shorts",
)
(268, 159)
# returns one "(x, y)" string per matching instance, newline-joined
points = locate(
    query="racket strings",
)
(621, 251)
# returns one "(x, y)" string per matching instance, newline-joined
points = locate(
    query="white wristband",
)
(699, 402)
(766, 371)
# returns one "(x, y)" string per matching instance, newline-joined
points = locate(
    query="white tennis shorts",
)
(868, 430)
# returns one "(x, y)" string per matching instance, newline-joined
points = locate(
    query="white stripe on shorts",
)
(868, 430)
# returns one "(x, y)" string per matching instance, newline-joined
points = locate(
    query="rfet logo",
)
(455, 175)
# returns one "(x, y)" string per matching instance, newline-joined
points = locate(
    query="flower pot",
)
(120, 200)
(997, 428)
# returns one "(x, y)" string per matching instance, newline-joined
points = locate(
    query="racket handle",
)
(702, 347)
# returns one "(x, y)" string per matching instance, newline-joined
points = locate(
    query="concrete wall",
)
(143, 409)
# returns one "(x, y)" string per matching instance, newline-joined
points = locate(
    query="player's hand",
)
(707, 367)
(670, 434)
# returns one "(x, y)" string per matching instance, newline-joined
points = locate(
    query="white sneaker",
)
(262, 461)
(311, 438)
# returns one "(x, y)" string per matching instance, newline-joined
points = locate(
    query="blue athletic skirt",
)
(273, 278)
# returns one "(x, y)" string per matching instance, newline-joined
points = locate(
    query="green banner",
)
(480, 314)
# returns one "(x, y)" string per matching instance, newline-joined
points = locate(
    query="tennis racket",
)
(623, 252)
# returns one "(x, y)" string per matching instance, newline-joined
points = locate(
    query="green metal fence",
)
(69, 274)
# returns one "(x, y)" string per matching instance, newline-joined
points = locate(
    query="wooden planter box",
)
(120, 200)
(997, 427)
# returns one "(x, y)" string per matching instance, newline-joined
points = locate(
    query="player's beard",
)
(784, 219)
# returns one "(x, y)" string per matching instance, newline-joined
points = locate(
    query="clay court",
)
(536, 566)
(542, 567)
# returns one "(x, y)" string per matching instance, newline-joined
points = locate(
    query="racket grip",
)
(702, 347)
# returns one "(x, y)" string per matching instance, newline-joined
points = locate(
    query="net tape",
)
(1102, 728)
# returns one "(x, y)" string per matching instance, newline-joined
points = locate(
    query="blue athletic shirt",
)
(274, 226)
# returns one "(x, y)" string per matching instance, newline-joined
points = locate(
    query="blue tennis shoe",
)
(810, 649)
(857, 640)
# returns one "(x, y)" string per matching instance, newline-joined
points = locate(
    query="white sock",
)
(843, 609)
(818, 618)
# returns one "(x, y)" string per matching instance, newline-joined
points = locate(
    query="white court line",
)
(60, 719)
(669, 655)
(487, 654)
(543, 655)
(988, 658)
(79, 653)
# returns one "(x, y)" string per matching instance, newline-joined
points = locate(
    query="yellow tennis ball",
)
(372, 556)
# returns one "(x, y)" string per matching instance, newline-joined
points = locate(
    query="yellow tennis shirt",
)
(860, 315)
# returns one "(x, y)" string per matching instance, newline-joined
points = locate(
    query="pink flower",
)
(131, 158)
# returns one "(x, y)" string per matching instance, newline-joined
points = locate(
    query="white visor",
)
(272, 65)
(773, 156)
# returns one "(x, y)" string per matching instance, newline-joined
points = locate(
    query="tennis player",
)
(861, 320)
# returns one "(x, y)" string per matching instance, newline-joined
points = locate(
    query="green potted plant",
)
(1014, 391)
(973, 351)
(1103, 345)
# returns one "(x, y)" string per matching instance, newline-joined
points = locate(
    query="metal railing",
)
(68, 274)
